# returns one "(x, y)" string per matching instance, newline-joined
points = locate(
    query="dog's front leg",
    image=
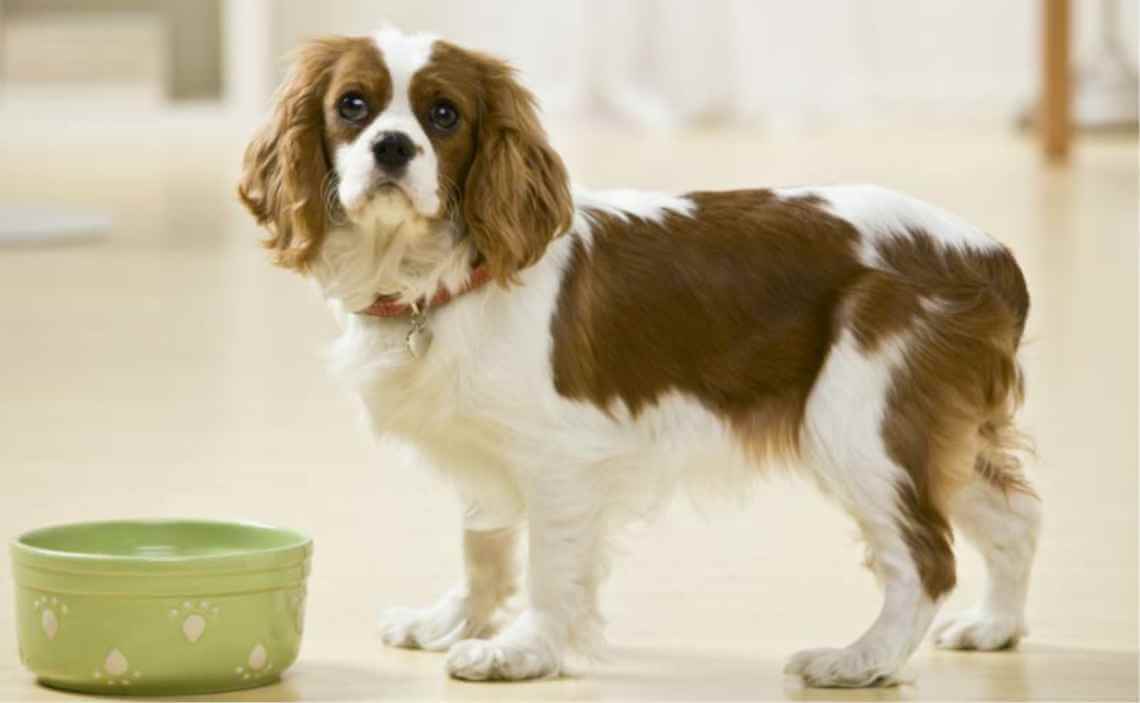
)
(565, 568)
(468, 610)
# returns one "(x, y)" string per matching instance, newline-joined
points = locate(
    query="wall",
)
(171, 48)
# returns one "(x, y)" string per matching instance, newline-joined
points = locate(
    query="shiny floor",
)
(169, 370)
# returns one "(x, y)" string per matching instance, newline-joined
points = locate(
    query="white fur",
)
(623, 204)
(880, 213)
(403, 55)
(469, 609)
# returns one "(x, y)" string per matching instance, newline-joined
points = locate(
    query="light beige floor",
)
(171, 371)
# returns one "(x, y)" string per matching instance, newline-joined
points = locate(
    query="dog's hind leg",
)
(1001, 516)
(907, 537)
(876, 658)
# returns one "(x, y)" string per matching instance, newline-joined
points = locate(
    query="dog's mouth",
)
(388, 187)
(382, 193)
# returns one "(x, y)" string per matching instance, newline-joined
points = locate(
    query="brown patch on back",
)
(878, 307)
(734, 307)
(739, 305)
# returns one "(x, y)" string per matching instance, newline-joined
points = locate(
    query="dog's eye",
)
(352, 107)
(444, 116)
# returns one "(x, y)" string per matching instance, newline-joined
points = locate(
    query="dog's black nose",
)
(393, 151)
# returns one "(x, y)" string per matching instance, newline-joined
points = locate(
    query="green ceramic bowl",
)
(160, 607)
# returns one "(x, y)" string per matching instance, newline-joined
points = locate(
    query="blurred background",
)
(152, 362)
(660, 63)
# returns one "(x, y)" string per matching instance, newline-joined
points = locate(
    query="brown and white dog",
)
(626, 341)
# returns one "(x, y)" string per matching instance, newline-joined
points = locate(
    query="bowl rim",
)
(296, 551)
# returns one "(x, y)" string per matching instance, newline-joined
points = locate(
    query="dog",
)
(565, 356)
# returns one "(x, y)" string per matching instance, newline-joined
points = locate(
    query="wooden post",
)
(1053, 114)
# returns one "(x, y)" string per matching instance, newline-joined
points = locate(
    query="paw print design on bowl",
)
(257, 664)
(51, 610)
(193, 617)
(116, 670)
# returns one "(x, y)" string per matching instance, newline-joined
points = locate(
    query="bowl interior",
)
(161, 539)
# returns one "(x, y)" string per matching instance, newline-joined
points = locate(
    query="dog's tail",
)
(1003, 444)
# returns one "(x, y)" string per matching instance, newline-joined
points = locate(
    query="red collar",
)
(385, 306)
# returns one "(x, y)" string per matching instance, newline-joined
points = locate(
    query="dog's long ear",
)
(285, 169)
(517, 195)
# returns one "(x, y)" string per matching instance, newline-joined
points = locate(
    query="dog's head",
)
(377, 129)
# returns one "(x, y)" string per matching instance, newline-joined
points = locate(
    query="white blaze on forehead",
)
(403, 55)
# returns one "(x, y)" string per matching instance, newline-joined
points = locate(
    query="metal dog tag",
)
(419, 336)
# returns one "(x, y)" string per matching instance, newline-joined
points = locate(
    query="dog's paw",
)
(979, 630)
(850, 667)
(434, 629)
(497, 660)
